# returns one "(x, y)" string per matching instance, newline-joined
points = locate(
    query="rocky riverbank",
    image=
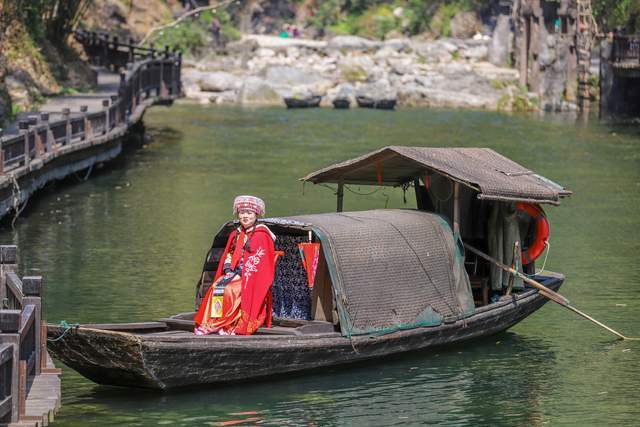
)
(450, 73)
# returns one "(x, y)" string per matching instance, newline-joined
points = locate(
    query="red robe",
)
(253, 289)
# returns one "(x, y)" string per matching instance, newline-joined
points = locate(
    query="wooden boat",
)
(388, 281)
(380, 104)
(310, 102)
(341, 103)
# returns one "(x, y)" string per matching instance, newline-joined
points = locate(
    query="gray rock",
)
(218, 82)
(352, 43)
(398, 45)
(477, 53)
(291, 76)
(265, 53)
(501, 41)
(226, 97)
(430, 80)
(379, 90)
(401, 66)
(343, 90)
(433, 52)
(255, 90)
(242, 46)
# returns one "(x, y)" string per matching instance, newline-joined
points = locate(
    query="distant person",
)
(295, 32)
(285, 31)
(244, 277)
(215, 31)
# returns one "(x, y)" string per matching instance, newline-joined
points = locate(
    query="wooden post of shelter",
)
(456, 208)
(340, 194)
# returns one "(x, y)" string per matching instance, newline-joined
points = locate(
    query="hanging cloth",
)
(310, 254)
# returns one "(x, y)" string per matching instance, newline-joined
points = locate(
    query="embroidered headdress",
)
(251, 203)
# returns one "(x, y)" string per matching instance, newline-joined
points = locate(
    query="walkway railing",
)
(23, 349)
(146, 75)
(626, 49)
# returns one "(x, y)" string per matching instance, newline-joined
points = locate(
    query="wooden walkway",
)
(43, 398)
(73, 133)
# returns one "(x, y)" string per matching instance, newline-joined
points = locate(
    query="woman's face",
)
(247, 218)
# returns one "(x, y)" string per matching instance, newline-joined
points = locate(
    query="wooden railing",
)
(146, 75)
(626, 49)
(22, 335)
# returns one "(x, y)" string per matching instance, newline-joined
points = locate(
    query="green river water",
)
(128, 245)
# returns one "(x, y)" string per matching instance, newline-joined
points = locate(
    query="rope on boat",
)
(67, 327)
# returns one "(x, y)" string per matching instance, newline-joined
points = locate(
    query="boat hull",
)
(379, 104)
(311, 102)
(163, 361)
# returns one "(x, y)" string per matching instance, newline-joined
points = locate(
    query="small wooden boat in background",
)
(379, 104)
(309, 102)
(388, 281)
(341, 103)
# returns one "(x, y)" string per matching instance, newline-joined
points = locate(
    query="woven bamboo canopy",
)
(492, 175)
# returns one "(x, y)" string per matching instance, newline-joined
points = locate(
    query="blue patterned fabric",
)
(291, 294)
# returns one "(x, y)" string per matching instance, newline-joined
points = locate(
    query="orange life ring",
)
(542, 231)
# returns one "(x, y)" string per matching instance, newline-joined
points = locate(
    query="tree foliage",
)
(375, 18)
(50, 19)
(611, 14)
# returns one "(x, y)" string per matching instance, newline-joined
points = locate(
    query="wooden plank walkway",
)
(43, 398)
(75, 132)
(107, 86)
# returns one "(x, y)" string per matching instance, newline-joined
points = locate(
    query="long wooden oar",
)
(553, 296)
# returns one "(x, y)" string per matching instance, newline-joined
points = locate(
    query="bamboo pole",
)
(548, 293)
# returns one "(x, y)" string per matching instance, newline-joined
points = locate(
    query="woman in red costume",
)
(245, 273)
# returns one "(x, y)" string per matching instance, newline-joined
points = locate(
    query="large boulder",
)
(352, 43)
(380, 90)
(255, 90)
(218, 82)
(501, 42)
(465, 24)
